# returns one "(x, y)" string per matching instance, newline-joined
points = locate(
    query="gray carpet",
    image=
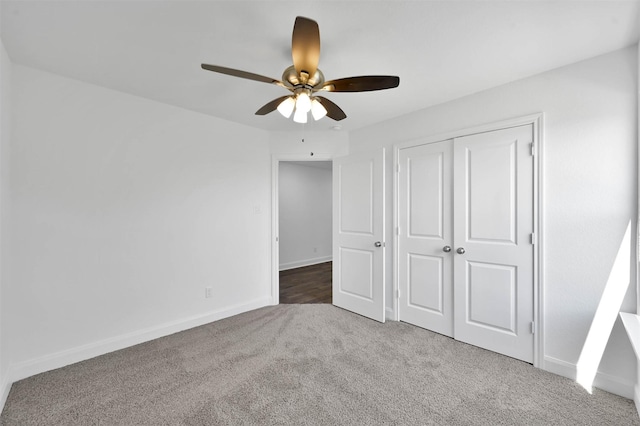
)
(307, 365)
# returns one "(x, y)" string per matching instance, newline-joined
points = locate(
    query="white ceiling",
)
(441, 50)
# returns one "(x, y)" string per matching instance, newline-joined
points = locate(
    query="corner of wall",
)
(606, 382)
(636, 391)
(5, 133)
(31, 367)
(5, 387)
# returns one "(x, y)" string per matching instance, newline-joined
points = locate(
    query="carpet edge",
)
(31, 367)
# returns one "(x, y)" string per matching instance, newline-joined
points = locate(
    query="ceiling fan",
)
(304, 79)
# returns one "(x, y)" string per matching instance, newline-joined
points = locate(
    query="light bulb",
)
(317, 110)
(303, 103)
(286, 107)
(300, 116)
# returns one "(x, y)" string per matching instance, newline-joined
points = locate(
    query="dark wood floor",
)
(309, 284)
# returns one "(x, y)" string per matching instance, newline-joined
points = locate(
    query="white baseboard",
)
(389, 315)
(602, 381)
(305, 262)
(60, 359)
(636, 398)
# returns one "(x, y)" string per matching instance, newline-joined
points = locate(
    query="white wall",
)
(590, 187)
(125, 210)
(305, 214)
(328, 144)
(5, 134)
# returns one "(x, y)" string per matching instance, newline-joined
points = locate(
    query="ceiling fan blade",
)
(365, 83)
(242, 74)
(305, 46)
(333, 110)
(271, 106)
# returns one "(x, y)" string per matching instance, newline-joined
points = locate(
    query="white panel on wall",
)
(304, 213)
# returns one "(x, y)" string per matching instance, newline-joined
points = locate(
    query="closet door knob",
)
(460, 250)
(446, 249)
(378, 244)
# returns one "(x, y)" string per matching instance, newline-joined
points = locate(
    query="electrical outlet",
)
(207, 292)
(315, 249)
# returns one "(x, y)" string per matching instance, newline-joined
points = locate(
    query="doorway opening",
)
(302, 204)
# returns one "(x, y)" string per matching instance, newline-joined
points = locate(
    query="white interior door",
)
(425, 220)
(493, 222)
(358, 234)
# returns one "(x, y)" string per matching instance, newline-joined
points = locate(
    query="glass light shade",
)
(317, 110)
(286, 107)
(300, 116)
(303, 103)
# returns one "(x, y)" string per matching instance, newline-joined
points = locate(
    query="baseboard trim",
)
(389, 316)
(636, 398)
(60, 359)
(305, 262)
(602, 381)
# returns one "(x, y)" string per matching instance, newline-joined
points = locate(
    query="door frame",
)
(275, 213)
(537, 121)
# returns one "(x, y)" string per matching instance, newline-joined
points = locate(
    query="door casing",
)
(275, 213)
(536, 120)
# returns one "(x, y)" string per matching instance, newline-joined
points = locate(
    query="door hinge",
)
(533, 149)
(533, 327)
(533, 238)
(397, 230)
(398, 293)
(397, 168)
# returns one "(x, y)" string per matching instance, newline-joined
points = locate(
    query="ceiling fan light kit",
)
(304, 79)
(300, 116)
(317, 110)
(286, 107)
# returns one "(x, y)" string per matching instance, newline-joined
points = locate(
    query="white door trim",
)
(537, 121)
(275, 213)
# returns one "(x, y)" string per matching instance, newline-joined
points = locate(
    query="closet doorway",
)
(466, 239)
(304, 231)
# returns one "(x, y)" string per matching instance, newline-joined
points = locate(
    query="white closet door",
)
(358, 234)
(425, 220)
(493, 223)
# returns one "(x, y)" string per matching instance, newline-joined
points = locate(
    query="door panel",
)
(352, 265)
(493, 222)
(425, 270)
(423, 293)
(356, 197)
(358, 221)
(490, 183)
(491, 291)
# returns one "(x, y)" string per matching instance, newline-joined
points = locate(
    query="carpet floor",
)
(307, 365)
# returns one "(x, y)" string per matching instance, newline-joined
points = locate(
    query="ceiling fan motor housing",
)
(290, 76)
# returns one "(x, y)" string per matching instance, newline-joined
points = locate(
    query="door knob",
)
(446, 249)
(378, 244)
(460, 250)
